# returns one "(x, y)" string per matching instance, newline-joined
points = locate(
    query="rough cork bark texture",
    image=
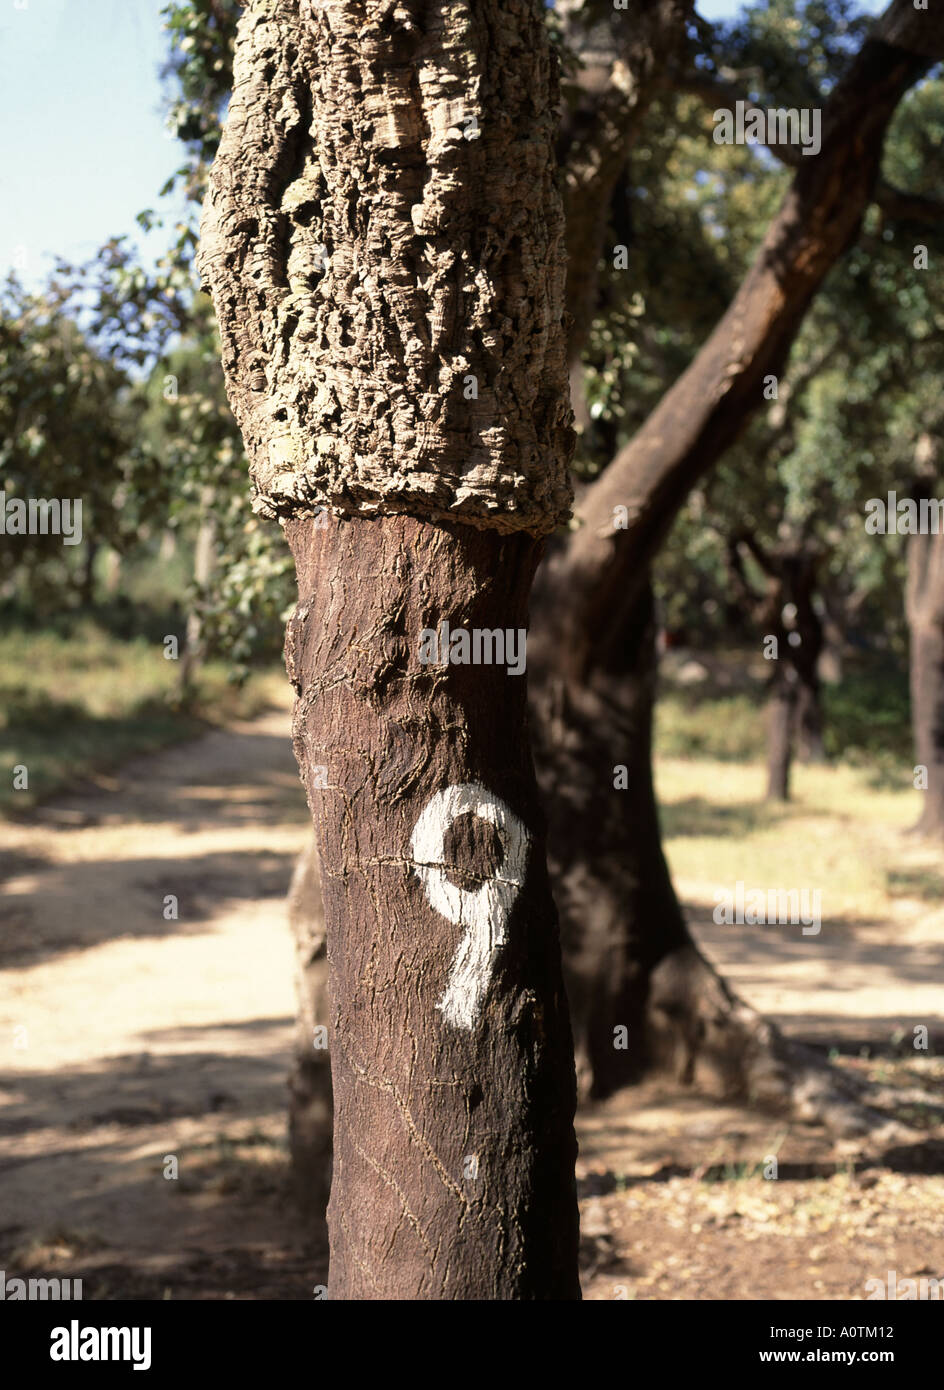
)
(451, 1051)
(383, 239)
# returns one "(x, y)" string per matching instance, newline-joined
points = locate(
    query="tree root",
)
(700, 1030)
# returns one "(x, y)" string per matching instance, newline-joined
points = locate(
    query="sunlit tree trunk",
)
(383, 238)
(310, 1106)
(925, 613)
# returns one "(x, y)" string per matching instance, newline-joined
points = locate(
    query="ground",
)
(129, 1038)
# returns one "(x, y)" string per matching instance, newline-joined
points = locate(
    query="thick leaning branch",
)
(895, 203)
(711, 403)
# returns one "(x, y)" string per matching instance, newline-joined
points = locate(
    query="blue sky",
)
(82, 115)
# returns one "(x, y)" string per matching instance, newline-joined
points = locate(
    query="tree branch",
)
(710, 404)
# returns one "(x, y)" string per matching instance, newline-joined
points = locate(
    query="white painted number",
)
(484, 913)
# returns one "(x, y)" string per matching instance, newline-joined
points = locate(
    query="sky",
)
(81, 111)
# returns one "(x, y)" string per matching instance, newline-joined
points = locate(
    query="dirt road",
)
(129, 1036)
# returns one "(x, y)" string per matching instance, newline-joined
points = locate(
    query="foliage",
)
(851, 406)
(64, 431)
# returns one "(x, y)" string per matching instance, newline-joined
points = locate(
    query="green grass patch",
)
(78, 704)
(727, 728)
(866, 717)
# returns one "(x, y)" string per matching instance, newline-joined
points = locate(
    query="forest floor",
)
(127, 1039)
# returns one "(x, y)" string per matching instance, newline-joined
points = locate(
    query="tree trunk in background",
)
(591, 586)
(87, 589)
(789, 614)
(925, 612)
(204, 562)
(781, 723)
(809, 720)
(619, 913)
(310, 1106)
(927, 706)
(801, 577)
(641, 993)
(383, 236)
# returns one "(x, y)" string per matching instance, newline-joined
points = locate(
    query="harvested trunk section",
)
(450, 1044)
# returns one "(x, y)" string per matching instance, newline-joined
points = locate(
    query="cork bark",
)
(383, 238)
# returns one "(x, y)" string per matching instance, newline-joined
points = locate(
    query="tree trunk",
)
(927, 713)
(642, 995)
(925, 612)
(310, 1107)
(87, 586)
(619, 912)
(591, 588)
(809, 716)
(804, 650)
(630, 960)
(451, 1062)
(204, 560)
(781, 722)
(794, 710)
(383, 235)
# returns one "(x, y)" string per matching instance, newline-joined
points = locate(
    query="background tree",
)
(628, 950)
(64, 434)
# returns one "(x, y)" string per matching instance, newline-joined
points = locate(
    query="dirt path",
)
(128, 1038)
(116, 1056)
